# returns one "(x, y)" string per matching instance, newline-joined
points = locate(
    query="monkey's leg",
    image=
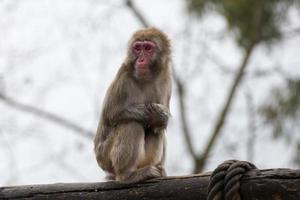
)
(128, 151)
(155, 149)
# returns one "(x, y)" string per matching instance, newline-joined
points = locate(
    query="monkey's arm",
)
(150, 115)
(133, 112)
(118, 108)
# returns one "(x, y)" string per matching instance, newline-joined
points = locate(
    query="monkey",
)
(130, 142)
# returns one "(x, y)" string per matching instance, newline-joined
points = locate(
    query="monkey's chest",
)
(147, 95)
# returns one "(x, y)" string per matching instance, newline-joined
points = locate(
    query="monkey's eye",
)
(148, 47)
(137, 47)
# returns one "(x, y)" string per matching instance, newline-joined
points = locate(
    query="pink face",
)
(144, 51)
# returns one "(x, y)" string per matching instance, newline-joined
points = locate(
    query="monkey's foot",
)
(155, 172)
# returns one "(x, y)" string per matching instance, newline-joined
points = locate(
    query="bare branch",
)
(257, 184)
(224, 112)
(46, 115)
(251, 138)
(182, 108)
(137, 13)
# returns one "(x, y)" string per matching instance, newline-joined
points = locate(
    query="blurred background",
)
(236, 88)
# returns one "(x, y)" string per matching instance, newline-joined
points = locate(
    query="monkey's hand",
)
(157, 115)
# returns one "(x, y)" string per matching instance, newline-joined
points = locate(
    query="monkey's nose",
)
(142, 60)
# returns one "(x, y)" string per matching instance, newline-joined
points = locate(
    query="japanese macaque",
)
(130, 143)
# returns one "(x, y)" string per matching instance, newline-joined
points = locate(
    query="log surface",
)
(273, 184)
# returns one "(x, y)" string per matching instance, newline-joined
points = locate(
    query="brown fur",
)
(130, 141)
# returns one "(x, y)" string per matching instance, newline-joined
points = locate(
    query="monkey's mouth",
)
(141, 68)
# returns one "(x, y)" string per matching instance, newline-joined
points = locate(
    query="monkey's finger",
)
(156, 108)
(150, 108)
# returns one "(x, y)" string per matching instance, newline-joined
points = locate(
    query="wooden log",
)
(273, 184)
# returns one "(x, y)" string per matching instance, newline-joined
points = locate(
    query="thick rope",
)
(225, 180)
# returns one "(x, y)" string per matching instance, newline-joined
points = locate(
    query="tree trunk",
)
(277, 184)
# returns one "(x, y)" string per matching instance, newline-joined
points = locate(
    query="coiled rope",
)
(224, 182)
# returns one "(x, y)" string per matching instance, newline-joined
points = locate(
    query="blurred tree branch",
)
(46, 115)
(137, 13)
(251, 112)
(217, 128)
(182, 110)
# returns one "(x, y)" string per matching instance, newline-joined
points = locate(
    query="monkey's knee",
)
(102, 151)
(103, 160)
